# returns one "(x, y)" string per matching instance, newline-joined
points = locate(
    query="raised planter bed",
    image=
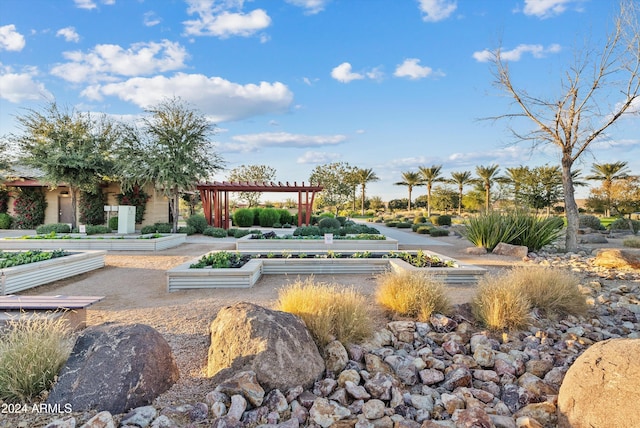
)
(182, 277)
(23, 277)
(127, 243)
(246, 244)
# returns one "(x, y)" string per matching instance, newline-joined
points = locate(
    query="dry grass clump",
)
(552, 291)
(412, 294)
(32, 351)
(499, 305)
(633, 242)
(330, 311)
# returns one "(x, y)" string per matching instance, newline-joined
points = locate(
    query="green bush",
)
(53, 227)
(32, 351)
(163, 227)
(403, 225)
(113, 223)
(216, 232)
(198, 222)
(443, 220)
(256, 216)
(241, 232)
(419, 219)
(329, 223)
(424, 230)
(231, 231)
(307, 231)
(341, 219)
(269, 216)
(623, 224)
(277, 225)
(326, 214)
(591, 221)
(391, 223)
(243, 217)
(189, 230)
(96, 229)
(29, 208)
(150, 228)
(438, 232)
(285, 216)
(5, 221)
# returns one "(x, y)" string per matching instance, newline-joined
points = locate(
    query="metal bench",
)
(72, 308)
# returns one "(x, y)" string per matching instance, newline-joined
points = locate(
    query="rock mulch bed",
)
(447, 372)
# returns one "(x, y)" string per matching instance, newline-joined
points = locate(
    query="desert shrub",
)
(536, 232)
(419, 219)
(341, 219)
(150, 228)
(438, 232)
(32, 351)
(416, 226)
(403, 225)
(424, 230)
(5, 221)
(552, 291)
(356, 229)
(500, 306)
(412, 294)
(392, 223)
(216, 232)
(243, 217)
(286, 226)
(306, 231)
(623, 224)
(631, 242)
(231, 231)
(591, 221)
(29, 208)
(285, 216)
(329, 223)
(330, 311)
(241, 232)
(269, 216)
(113, 223)
(96, 229)
(326, 214)
(53, 227)
(441, 220)
(198, 222)
(189, 230)
(277, 225)
(163, 227)
(91, 207)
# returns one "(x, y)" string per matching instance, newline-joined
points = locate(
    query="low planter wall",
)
(124, 244)
(23, 277)
(246, 244)
(182, 277)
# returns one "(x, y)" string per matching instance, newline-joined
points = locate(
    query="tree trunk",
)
(460, 202)
(409, 204)
(74, 207)
(363, 200)
(570, 206)
(487, 198)
(429, 201)
(175, 210)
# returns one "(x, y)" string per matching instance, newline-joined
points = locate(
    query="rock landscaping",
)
(446, 372)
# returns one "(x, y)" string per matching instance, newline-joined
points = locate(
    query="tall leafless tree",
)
(595, 91)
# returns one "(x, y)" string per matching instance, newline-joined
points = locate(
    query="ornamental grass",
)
(33, 348)
(412, 294)
(330, 311)
(500, 306)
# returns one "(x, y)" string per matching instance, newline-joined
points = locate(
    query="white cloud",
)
(216, 97)
(286, 139)
(343, 73)
(537, 51)
(311, 6)
(150, 19)
(545, 8)
(515, 153)
(91, 4)
(410, 162)
(69, 34)
(104, 62)
(437, 10)
(10, 39)
(317, 158)
(19, 87)
(216, 19)
(410, 68)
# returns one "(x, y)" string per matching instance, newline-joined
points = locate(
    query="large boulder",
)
(504, 249)
(602, 387)
(115, 367)
(275, 345)
(618, 259)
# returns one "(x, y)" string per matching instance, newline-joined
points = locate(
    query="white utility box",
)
(126, 219)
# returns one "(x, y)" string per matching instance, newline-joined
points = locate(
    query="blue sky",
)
(384, 84)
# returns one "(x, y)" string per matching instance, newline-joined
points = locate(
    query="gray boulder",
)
(504, 249)
(275, 345)
(115, 367)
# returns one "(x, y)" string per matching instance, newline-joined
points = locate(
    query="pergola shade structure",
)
(215, 198)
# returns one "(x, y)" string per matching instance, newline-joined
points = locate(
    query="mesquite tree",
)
(595, 91)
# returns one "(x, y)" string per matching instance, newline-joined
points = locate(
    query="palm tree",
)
(517, 176)
(487, 174)
(429, 176)
(410, 179)
(364, 176)
(461, 179)
(607, 173)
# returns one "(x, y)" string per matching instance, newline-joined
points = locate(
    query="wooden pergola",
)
(215, 198)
